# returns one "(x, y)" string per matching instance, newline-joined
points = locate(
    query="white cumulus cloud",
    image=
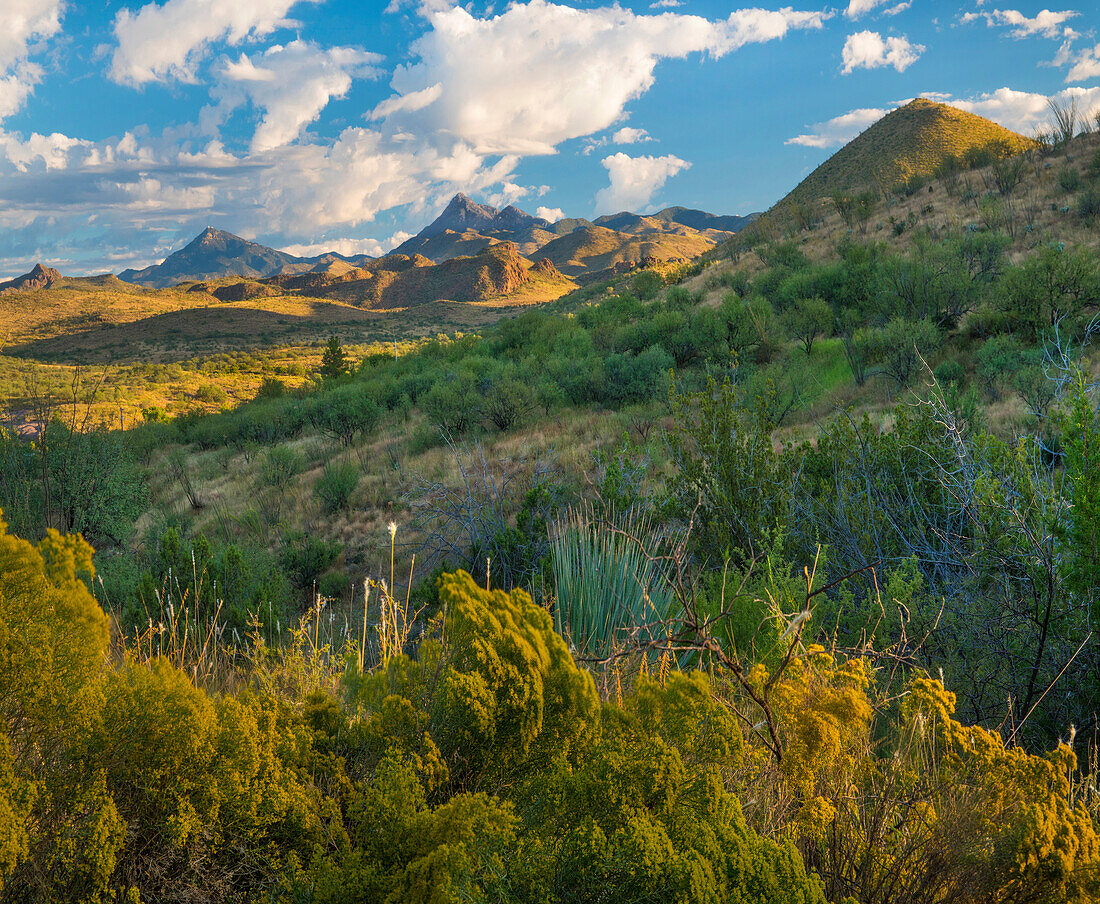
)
(1025, 111)
(840, 129)
(21, 23)
(169, 40)
(857, 8)
(628, 135)
(347, 247)
(292, 84)
(869, 50)
(553, 214)
(634, 180)
(540, 73)
(1086, 65)
(1046, 23)
(478, 93)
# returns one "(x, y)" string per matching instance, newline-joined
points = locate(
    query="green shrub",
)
(343, 413)
(950, 373)
(271, 388)
(1088, 207)
(646, 285)
(306, 557)
(507, 403)
(334, 585)
(904, 346)
(978, 157)
(73, 481)
(807, 319)
(1069, 179)
(280, 466)
(336, 484)
(635, 378)
(454, 405)
(211, 394)
(997, 358)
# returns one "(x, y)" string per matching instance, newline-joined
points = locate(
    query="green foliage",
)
(334, 362)
(507, 403)
(344, 413)
(334, 585)
(280, 466)
(1080, 532)
(72, 481)
(608, 589)
(1069, 179)
(859, 347)
(486, 769)
(307, 557)
(53, 638)
(1050, 287)
(234, 580)
(904, 346)
(724, 455)
(620, 805)
(635, 378)
(337, 482)
(212, 394)
(1088, 207)
(646, 285)
(808, 319)
(271, 388)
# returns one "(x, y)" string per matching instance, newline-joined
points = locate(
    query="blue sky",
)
(125, 128)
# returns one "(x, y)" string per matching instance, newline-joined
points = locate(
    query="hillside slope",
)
(496, 271)
(595, 252)
(909, 141)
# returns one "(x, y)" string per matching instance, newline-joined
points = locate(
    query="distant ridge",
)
(684, 216)
(464, 229)
(909, 141)
(214, 254)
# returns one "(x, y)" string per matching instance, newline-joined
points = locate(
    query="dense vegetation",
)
(818, 626)
(487, 769)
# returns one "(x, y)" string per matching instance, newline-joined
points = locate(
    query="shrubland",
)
(762, 581)
(486, 767)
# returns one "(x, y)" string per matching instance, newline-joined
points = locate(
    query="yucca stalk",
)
(610, 590)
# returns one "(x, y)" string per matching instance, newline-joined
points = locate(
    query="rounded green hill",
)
(909, 141)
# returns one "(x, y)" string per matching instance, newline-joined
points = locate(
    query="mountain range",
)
(580, 249)
(474, 252)
(223, 288)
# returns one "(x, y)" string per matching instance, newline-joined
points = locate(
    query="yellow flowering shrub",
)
(825, 716)
(1029, 836)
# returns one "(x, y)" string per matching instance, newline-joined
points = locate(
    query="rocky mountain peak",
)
(461, 214)
(40, 277)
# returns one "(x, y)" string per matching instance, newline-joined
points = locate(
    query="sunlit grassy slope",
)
(910, 141)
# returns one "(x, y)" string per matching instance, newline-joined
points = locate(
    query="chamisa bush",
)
(487, 767)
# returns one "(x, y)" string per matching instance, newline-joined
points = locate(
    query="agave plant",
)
(610, 587)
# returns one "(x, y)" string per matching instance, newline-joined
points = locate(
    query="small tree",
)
(845, 206)
(1056, 283)
(865, 209)
(901, 345)
(334, 362)
(646, 285)
(807, 319)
